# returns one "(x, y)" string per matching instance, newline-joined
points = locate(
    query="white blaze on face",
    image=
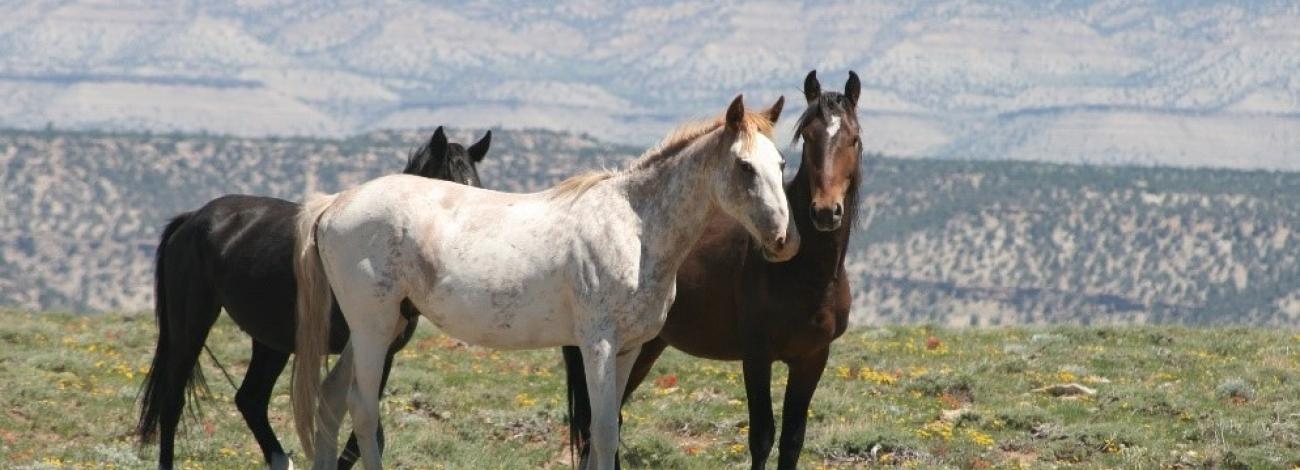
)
(771, 210)
(832, 127)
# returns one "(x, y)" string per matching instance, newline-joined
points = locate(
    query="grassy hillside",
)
(1166, 397)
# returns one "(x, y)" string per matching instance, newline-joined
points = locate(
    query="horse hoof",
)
(281, 462)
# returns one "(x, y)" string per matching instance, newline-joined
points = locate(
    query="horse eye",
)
(748, 167)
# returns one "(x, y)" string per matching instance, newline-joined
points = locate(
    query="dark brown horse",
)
(733, 305)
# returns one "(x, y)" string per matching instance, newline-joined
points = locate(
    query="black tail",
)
(579, 403)
(151, 391)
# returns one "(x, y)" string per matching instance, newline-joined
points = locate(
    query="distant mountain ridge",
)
(949, 242)
(1099, 81)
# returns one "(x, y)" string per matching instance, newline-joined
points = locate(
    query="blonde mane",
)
(578, 184)
(676, 141)
(686, 134)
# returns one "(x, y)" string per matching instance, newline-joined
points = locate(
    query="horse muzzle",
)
(782, 247)
(828, 218)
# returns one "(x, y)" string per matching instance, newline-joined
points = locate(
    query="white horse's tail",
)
(314, 303)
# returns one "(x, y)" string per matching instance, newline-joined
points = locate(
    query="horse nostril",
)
(839, 209)
(780, 242)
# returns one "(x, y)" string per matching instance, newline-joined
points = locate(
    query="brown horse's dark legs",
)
(645, 361)
(762, 428)
(254, 396)
(805, 374)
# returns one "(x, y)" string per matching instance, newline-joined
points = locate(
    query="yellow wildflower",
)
(980, 438)
(871, 375)
(523, 399)
(936, 430)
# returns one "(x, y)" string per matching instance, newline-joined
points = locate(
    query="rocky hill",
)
(1008, 243)
(952, 242)
(81, 212)
(1118, 81)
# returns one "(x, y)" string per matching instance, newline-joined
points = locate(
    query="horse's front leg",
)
(607, 373)
(805, 374)
(758, 393)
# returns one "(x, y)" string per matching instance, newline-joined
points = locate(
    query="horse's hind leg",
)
(351, 451)
(254, 396)
(329, 413)
(805, 374)
(186, 336)
(374, 325)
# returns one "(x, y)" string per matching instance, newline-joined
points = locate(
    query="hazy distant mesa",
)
(1174, 83)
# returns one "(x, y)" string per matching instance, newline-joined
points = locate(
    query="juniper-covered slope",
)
(952, 242)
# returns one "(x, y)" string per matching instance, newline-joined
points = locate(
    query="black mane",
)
(828, 103)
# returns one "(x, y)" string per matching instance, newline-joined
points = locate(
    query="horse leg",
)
(254, 396)
(363, 399)
(604, 377)
(350, 451)
(758, 393)
(805, 374)
(581, 418)
(645, 360)
(371, 336)
(186, 338)
(329, 410)
(625, 360)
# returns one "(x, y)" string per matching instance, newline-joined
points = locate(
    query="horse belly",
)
(528, 317)
(722, 347)
(703, 323)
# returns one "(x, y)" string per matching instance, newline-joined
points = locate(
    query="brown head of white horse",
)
(591, 262)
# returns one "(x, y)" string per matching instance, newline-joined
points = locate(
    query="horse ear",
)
(853, 88)
(480, 148)
(438, 143)
(812, 89)
(774, 112)
(736, 113)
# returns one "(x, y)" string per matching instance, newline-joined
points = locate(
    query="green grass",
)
(1167, 397)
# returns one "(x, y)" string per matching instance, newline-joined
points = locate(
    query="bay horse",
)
(734, 305)
(591, 262)
(236, 252)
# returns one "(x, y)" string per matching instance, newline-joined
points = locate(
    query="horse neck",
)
(673, 200)
(815, 244)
